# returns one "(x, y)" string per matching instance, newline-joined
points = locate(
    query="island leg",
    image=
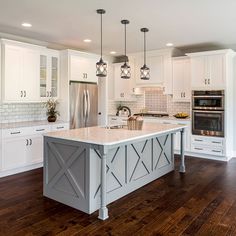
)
(182, 151)
(103, 211)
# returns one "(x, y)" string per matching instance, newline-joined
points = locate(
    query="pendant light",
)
(101, 66)
(125, 68)
(145, 71)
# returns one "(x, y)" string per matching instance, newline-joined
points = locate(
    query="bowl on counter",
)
(181, 115)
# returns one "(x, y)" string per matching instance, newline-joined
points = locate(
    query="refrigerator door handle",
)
(84, 106)
(88, 101)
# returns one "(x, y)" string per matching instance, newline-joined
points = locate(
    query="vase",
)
(52, 118)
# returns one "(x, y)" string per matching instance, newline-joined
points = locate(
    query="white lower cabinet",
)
(208, 145)
(23, 147)
(13, 153)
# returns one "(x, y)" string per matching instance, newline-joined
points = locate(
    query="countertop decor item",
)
(52, 113)
(144, 70)
(135, 123)
(101, 65)
(181, 115)
(125, 68)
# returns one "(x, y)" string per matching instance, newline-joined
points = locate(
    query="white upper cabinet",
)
(20, 72)
(83, 67)
(49, 74)
(124, 89)
(181, 79)
(208, 70)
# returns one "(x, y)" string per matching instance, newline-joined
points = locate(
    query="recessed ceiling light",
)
(113, 52)
(87, 40)
(169, 44)
(26, 24)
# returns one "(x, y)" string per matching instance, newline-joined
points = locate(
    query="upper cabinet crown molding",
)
(208, 53)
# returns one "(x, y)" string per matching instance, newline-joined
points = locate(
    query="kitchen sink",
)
(115, 126)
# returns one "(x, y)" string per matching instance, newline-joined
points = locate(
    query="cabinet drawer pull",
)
(27, 142)
(180, 124)
(21, 94)
(216, 151)
(60, 127)
(24, 93)
(30, 142)
(18, 132)
(50, 93)
(113, 118)
(198, 148)
(40, 130)
(216, 142)
(209, 81)
(198, 140)
(167, 123)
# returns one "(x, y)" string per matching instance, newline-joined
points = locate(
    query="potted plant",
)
(52, 113)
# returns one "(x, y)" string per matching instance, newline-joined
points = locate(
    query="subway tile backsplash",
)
(22, 112)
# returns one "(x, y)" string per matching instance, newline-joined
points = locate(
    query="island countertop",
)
(105, 136)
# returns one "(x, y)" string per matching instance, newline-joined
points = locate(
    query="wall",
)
(154, 100)
(16, 112)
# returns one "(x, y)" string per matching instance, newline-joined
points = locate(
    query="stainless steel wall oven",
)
(208, 113)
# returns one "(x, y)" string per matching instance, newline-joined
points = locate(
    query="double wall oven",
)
(208, 113)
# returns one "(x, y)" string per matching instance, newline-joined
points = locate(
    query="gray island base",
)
(89, 168)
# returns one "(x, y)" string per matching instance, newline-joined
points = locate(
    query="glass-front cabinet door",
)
(43, 76)
(49, 74)
(54, 77)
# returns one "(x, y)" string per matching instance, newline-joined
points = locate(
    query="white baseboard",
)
(20, 169)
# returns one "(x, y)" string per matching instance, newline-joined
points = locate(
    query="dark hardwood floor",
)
(200, 202)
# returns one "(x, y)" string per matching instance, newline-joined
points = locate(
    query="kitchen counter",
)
(89, 168)
(13, 125)
(105, 136)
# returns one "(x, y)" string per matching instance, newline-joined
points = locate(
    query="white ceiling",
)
(186, 23)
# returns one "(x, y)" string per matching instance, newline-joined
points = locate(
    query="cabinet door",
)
(187, 80)
(122, 87)
(44, 93)
(178, 79)
(30, 79)
(54, 76)
(216, 67)
(156, 65)
(14, 153)
(199, 71)
(83, 69)
(12, 70)
(34, 151)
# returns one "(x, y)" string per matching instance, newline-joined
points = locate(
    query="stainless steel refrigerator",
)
(83, 104)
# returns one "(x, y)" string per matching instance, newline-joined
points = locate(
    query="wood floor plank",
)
(200, 202)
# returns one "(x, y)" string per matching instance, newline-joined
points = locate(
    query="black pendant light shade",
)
(144, 70)
(101, 66)
(125, 68)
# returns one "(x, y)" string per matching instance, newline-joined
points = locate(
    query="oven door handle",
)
(207, 111)
(211, 96)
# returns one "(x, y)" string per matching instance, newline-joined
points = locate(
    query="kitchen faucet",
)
(124, 108)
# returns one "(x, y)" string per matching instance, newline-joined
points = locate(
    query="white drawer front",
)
(16, 132)
(208, 141)
(64, 126)
(208, 150)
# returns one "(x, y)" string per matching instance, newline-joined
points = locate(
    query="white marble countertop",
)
(103, 136)
(13, 125)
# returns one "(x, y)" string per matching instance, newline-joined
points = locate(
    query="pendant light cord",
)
(144, 41)
(125, 44)
(101, 36)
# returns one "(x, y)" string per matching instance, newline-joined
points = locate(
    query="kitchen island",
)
(89, 168)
